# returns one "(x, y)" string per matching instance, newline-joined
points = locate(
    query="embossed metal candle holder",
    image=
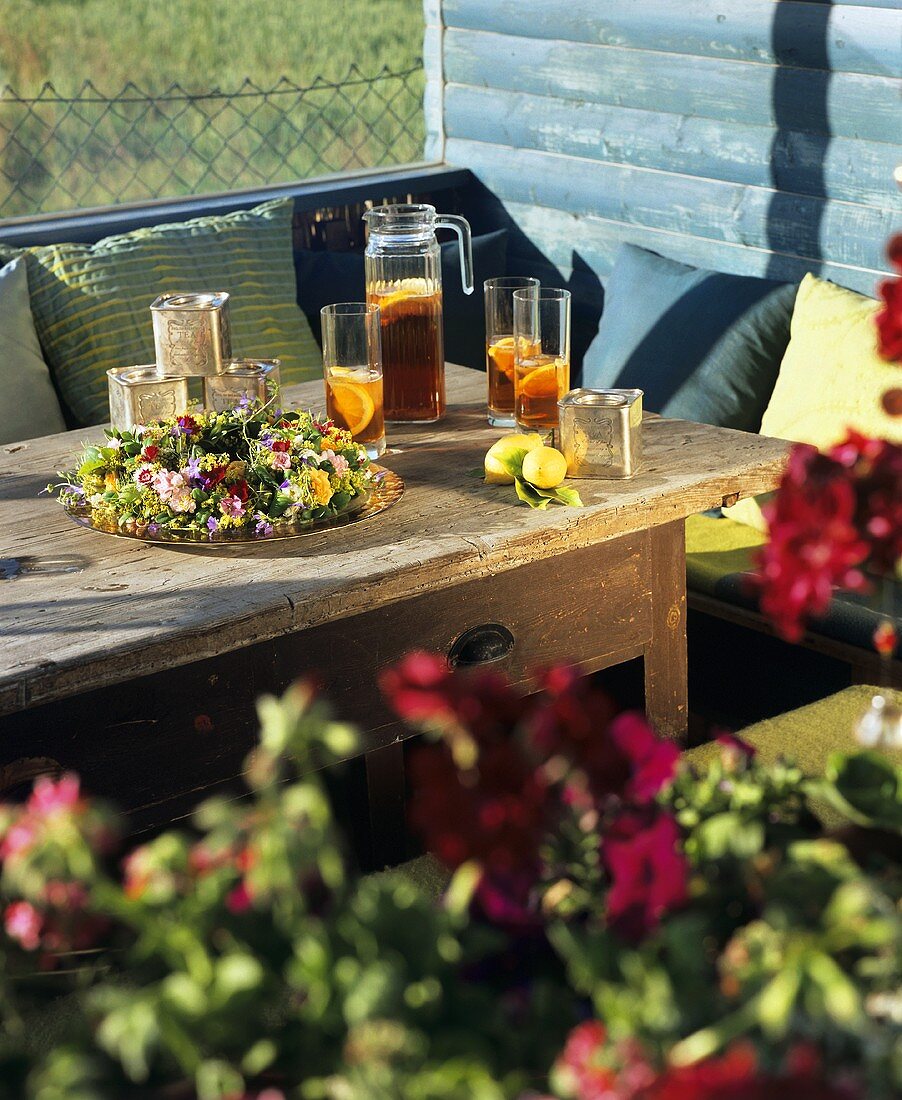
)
(191, 333)
(139, 395)
(600, 432)
(241, 378)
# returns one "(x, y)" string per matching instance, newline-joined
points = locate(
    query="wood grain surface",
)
(83, 610)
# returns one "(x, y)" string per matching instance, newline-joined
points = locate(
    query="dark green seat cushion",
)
(703, 345)
(91, 301)
(809, 735)
(720, 554)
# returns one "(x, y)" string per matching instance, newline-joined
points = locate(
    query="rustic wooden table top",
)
(81, 610)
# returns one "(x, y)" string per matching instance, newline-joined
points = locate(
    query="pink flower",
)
(339, 463)
(166, 483)
(280, 460)
(653, 760)
(19, 838)
(231, 506)
(49, 796)
(24, 923)
(641, 852)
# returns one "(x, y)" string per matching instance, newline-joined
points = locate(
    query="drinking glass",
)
(541, 356)
(352, 366)
(499, 345)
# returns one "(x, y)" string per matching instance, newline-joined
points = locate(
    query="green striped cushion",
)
(91, 302)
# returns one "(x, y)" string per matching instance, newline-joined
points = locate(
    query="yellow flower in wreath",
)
(322, 489)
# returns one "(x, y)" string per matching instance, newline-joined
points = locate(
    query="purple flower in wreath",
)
(286, 484)
(152, 528)
(192, 471)
(187, 425)
(264, 527)
(212, 524)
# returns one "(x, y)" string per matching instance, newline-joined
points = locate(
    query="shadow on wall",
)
(794, 225)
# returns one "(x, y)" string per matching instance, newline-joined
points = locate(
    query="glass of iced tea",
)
(352, 366)
(499, 345)
(541, 356)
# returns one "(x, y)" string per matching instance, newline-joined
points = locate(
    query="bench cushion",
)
(91, 302)
(703, 345)
(30, 406)
(810, 734)
(720, 555)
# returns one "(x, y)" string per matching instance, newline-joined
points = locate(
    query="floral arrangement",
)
(616, 925)
(249, 472)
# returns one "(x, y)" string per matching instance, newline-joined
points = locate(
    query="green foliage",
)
(248, 954)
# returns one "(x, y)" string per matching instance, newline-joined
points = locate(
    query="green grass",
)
(60, 156)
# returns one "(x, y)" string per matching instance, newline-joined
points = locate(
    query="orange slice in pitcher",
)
(353, 405)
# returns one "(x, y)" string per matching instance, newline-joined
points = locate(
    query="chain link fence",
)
(63, 152)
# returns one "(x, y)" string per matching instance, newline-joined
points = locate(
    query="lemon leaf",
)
(530, 495)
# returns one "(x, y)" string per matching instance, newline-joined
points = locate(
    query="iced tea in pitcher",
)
(404, 278)
(413, 356)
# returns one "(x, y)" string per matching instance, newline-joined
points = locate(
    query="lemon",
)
(545, 467)
(507, 453)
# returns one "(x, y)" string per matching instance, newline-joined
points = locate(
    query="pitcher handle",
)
(462, 228)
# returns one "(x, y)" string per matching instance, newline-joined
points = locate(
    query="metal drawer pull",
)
(481, 645)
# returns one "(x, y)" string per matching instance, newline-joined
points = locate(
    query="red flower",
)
(187, 425)
(886, 638)
(889, 319)
(213, 477)
(240, 490)
(280, 445)
(641, 852)
(735, 1075)
(618, 757)
(814, 544)
(583, 1063)
(150, 452)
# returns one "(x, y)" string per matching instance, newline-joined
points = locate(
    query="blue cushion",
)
(325, 277)
(703, 345)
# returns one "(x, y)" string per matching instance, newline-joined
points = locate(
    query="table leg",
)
(666, 670)
(387, 805)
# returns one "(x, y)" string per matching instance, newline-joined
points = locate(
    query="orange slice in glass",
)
(501, 353)
(353, 404)
(542, 382)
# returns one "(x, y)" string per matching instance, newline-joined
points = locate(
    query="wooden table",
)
(138, 665)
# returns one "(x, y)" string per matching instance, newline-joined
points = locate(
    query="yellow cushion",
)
(831, 378)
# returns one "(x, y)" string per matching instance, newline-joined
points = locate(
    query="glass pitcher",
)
(404, 278)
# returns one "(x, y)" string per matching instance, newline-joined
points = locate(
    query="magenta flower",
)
(23, 923)
(641, 852)
(653, 760)
(239, 899)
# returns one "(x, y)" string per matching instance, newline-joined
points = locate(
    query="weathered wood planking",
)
(563, 239)
(125, 609)
(846, 104)
(815, 36)
(810, 164)
(850, 233)
(757, 137)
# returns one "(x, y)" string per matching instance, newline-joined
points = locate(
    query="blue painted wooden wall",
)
(754, 136)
